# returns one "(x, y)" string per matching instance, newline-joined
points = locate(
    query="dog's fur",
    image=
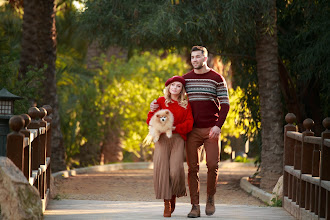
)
(160, 122)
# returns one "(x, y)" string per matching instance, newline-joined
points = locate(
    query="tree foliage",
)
(228, 28)
(120, 92)
(119, 89)
(304, 39)
(219, 25)
(10, 38)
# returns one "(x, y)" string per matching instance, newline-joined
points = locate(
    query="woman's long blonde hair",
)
(182, 100)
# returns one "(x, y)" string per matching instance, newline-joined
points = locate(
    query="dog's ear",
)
(167, 112)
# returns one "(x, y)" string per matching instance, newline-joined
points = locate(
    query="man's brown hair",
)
(199, 48)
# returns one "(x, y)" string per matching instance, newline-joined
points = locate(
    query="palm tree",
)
(270, 98)
(38, 50)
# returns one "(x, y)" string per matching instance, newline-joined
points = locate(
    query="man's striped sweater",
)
(208, 96)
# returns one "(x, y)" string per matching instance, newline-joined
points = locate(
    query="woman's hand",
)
(153, 105)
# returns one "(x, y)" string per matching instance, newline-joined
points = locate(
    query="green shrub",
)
(276, 202)
(242, 159)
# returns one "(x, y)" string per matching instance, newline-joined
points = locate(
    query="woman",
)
(169, 177)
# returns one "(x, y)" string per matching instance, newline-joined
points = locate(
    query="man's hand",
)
(214, 132)
(153, 105)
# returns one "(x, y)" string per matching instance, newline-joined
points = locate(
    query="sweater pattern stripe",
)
(206, 90)
(208, 96)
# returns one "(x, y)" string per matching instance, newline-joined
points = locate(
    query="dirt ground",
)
(137, 185)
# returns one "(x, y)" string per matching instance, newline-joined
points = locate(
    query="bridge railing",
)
(28, 146)
(306, 179)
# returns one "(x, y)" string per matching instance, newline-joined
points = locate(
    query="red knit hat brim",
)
(175, 79)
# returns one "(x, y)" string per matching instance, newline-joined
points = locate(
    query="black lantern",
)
(6, 112)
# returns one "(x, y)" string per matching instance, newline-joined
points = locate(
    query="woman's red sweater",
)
(183, 119)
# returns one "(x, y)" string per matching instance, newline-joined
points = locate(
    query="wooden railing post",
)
(43, 137)
(48, 119)
(306, 162)
(15, 142)
(297, 166)
(43, 143)
(27, 149)
(315, 173)
(288, 153)
(34, 114)
(324, 199)
(306, 181)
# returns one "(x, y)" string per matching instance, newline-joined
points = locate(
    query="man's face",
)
(197, 59)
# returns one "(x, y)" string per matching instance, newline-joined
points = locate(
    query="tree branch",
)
(232, 55)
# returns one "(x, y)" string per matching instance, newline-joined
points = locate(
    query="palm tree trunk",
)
(270, 100)
(38, 49)
(111, 148)
(29, 37)
(47, 38)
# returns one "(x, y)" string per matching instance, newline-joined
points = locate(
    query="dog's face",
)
(163, 116)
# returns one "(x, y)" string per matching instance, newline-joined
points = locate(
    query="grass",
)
(242, 159)
(276, 202)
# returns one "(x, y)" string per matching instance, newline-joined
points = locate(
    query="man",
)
(206, 90)
(208, 95)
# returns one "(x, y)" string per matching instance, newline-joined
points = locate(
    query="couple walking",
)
(196, 123)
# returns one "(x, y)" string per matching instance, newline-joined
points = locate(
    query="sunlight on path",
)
(90, 209)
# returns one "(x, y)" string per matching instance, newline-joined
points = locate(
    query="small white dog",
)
(161, 122)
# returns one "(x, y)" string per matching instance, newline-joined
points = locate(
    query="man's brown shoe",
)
(167, 208)
(173, 200)
(195, 212)
(210, 208)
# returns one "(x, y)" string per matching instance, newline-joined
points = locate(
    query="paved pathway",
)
(91, 209)
(146, 209)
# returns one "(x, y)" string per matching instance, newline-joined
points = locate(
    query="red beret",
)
(175, 79)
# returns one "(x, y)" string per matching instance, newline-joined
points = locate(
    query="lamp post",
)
(6, 112)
